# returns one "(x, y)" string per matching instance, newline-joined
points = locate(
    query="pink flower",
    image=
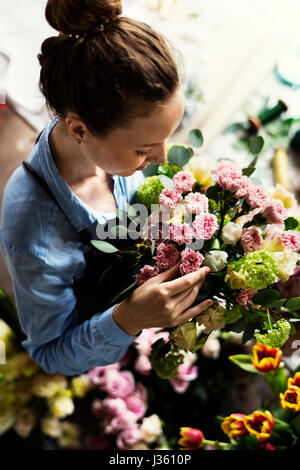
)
(143, 365)
(251, 240)
(181, 233)
(119, 384)
(245, 298)
(184, 181)
(196, 203)
(121, 422)
(141, 391)
(167, 256)
(256, 196)
(205, 226)
(229, 167)
(229, 182)
(170, 198)
(181, 382)
(148, 336)
(244, 186)
(274, 211)
(290, 288)
(146, 273)
(129, 437)
(97, 375)
(291, 239)
(274, 230)
(245, 219)
(113, 407)
(136, 404)
(190, 261)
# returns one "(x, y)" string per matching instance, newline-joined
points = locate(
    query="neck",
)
(72, 164)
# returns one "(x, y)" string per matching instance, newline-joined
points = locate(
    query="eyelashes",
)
(143, 154)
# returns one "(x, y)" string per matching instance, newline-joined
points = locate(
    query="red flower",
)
(266, 358)
(192, 439)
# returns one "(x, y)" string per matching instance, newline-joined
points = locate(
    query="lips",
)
(144, 166)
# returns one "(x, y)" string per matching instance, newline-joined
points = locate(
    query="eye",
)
(142, 154)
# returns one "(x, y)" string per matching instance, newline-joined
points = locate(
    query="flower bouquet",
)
(216, 214)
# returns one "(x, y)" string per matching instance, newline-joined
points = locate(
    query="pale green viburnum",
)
(259, 269)
(149, 191)
(275, 337)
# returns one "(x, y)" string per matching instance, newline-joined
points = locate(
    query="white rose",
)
(62, 407)
(211, 348)
(151, 428)
(215, 260)
(287, 263)
(231, 233)
(51, 427)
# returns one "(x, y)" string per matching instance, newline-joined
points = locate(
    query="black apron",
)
(94, 292)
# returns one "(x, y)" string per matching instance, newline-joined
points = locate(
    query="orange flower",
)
(234, 426)
(295, 381)
(290, 399)
(266, 358)
(260, 424)
(192, 439)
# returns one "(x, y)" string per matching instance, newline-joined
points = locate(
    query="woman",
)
(115, 92)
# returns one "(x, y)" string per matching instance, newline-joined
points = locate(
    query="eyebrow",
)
(148, 145)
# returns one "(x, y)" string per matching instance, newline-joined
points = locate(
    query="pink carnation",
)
(274, 230)
(98, 374)
(129, 437)
(143, 365)
(245, 298)
(170, 198)
(136, 405)
(191, 261)
(182, 381)
(167, 256)
(181, 233)
(229, 181)
(256, 196)
(291, 239)
(146, 273)
(274, 211)
(245, 219)
(244, 186)
(196, 203)
(119, 384)
(227, 166)
(205, 226)
(251, 240)
(184, 181)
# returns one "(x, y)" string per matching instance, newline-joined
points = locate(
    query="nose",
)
(160, 155)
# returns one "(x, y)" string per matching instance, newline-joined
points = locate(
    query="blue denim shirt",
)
(40, 243)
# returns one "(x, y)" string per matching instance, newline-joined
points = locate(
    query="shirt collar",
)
(80, 214)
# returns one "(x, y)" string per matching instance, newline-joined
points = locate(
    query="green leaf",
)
(278, 303)
(290, 223)
(153, 247)
(293, 304)
(214, 192)
(104, 246)
(196, 138)
(277, 380)
(179, 155)
(249, 332)
(166, 181)
(256, 145)
(266, 297)
(151, 169)
(243, 361)
(236, 126)
(295, 424)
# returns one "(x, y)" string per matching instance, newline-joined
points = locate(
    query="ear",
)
(76, 128)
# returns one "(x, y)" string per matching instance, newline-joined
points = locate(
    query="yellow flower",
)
(8, 337)
(46, 386)
(61, 406)
(266, 358)
(290, 399)
(234, 426)
(70, 435)
(260, 424)
(51, 427)
(287, 262)
(280, 192)
(80, 385)
(237, 280)
(201, 167)
(273, 245)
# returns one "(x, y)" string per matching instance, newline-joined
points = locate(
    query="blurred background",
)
(241, 62)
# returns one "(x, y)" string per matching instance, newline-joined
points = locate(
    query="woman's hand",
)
(162, 301)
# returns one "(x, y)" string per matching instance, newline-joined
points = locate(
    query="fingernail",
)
(207, 270)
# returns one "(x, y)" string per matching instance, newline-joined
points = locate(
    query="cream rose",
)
(231, 233)
(151, 428)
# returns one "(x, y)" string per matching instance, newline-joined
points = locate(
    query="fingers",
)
(185, 282)
(171, 273)
(182, 295)
(194, 311)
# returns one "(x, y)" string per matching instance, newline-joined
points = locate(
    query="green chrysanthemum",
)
(148, 193)
(259, 269)
(276, 337)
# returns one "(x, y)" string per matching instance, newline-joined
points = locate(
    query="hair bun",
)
(80, 16)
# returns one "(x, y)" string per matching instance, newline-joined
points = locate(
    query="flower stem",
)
(216, 443)
(269, 318)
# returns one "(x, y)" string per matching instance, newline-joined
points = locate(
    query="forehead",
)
(160, 124)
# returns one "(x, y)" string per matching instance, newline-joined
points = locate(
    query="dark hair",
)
(106, 76)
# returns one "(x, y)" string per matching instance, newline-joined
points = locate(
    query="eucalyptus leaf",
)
(153, 247)
(293, 304)
(119, 231)
(266, 297)
(256, 145)
(236, 126)
(179, 155)
(151, 169)
(248, 171)
(104, 246)
(196, 138)
(166, 181)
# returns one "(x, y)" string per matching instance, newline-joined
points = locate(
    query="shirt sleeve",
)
(47, 312)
